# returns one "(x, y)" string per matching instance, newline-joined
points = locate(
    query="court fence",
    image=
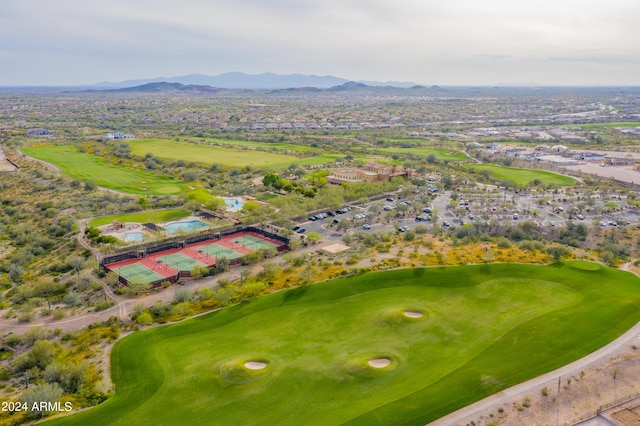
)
(142, 252)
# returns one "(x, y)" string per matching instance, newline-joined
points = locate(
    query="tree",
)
(76, 263)
(314, 237)
(250, 206)
(557, 252)
(112, 279)
(222, 264)
(294, 245)
(144, 318)
(72, 299)
(70, 376)
(90, 185)
(182, 295)
(47, 392)
(244, 274)
(270, 179)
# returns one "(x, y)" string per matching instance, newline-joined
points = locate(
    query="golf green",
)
(397, 347)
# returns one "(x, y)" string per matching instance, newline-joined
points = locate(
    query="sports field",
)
(400, 347)
(83, 167)
(254, 242)
(218, 251)
(136, 272)
(180, 261)
(524, 176)
(169, 263)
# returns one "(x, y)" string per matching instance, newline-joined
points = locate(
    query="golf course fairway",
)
(401, 347)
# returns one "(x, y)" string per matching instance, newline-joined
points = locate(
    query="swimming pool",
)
(233, 204)
(175, 227)
(133, 236)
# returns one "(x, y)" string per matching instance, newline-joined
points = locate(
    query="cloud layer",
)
(425, 41)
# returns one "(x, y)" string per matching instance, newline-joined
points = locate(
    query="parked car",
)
(446, 223)
(366, 226)
(295, 228)
(301, 231)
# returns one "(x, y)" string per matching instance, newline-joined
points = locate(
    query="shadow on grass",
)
(294, 294)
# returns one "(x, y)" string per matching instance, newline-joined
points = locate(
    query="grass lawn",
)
(154, 216)
(441, 154)
(524, 176)
(83, 167)
(483, 328)
(264, 145)
(210, 154)
(610, 125)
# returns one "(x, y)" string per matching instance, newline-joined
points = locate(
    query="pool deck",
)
(127, 227)
(184, 219)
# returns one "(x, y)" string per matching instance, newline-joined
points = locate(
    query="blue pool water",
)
(234, 203)
(134, 236)
(176, 227)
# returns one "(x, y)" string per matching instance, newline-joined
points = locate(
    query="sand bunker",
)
(379, 362)
(255, 365)
(413, 314)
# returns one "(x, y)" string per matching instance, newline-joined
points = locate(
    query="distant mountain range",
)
(164, 87)
(240, 80)
(349, 87)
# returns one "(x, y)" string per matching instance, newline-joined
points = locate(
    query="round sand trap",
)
(255, 365)
(413, 314)
(379, 362)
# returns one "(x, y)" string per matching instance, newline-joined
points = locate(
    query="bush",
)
(182, 295)
(47, 392)
(144, 319)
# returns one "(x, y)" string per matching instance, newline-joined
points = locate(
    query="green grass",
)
(524, 176)
(609, 125)
(441, 154)
(84, 167)
(483, 330)
(264, 145)
(231, 157)
(153, 216)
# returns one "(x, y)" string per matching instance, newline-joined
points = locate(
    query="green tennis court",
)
(181, 262)
(138, 273)
(218, 251)
(254, 242)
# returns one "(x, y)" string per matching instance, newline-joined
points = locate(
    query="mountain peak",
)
(264, 81)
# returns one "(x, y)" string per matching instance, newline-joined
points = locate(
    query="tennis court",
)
(180, 262)
(254, 243)
(138, 273)
(218, 251)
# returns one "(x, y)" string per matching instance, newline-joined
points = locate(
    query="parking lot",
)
(503, 208)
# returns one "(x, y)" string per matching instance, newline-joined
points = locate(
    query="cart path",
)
(602, 356)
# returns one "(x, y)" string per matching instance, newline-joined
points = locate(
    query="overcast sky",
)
(456, 42)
